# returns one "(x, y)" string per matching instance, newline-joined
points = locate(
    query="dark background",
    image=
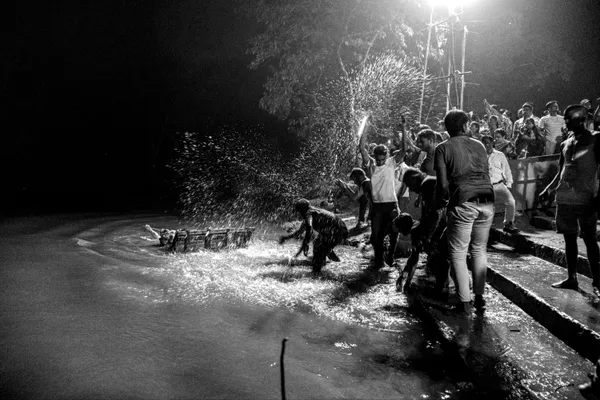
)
(93, 93)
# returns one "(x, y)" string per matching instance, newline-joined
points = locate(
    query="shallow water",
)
(92, 308)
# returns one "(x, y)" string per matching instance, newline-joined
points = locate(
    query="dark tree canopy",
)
(306, 44)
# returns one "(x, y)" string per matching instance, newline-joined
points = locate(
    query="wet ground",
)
(92, 308)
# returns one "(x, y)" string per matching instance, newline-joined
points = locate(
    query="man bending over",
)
(330, 228)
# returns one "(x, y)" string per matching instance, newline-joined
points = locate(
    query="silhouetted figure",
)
(363, 194)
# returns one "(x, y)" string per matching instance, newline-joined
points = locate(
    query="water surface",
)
(92, 308)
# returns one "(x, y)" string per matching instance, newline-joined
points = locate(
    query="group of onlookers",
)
(458, 177)
(529, 135)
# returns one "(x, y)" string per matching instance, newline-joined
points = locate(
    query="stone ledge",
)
(512, 380)
(573, 333)
(523, 244)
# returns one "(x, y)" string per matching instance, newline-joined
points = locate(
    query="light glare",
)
(449, 3)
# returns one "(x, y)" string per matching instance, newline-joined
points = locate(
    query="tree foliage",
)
(307, 44)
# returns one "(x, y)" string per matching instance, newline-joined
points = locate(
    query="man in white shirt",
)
(382, 170)
(502, 181)
(552, 127)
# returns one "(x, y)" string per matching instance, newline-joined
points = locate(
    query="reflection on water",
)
(94, 309)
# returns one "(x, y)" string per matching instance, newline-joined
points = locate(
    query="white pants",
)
(504, 198)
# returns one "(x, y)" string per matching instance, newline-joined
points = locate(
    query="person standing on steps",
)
(575, 185)
(502, 181)
(461, 166)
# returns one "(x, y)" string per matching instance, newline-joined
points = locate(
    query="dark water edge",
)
(57, 312)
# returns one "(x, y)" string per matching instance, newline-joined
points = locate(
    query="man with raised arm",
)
(381, 167)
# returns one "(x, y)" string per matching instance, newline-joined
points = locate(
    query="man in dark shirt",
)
(332, 231)
(462, 171)
(363, 195)
(426, 141)
(426, 235)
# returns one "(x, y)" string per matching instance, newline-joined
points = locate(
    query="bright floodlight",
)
(449, 3)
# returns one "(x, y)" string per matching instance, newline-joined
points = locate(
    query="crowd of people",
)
(459, 177)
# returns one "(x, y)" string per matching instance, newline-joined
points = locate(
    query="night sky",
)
(93, 92)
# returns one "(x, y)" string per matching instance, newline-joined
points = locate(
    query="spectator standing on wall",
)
(474, 130)
(526, 114)
(530, 142)
(501, 178)
(552, 126)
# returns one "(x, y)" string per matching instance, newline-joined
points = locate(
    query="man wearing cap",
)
(575, 195)
(331, 229)
(527, 113)
(552, 127)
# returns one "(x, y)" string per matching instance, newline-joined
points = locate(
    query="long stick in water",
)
(282, 369)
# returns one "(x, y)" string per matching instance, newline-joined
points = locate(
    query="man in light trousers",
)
(462, 170)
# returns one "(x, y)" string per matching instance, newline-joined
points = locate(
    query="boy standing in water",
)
(332, 231)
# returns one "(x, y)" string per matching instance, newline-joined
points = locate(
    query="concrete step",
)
(549, 223)
(541, 340)
(509, 353)
(530, 243)
(571, 316)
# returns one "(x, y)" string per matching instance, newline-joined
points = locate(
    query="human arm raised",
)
(403, 139)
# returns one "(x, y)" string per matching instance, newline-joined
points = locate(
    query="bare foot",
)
(566, 284)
